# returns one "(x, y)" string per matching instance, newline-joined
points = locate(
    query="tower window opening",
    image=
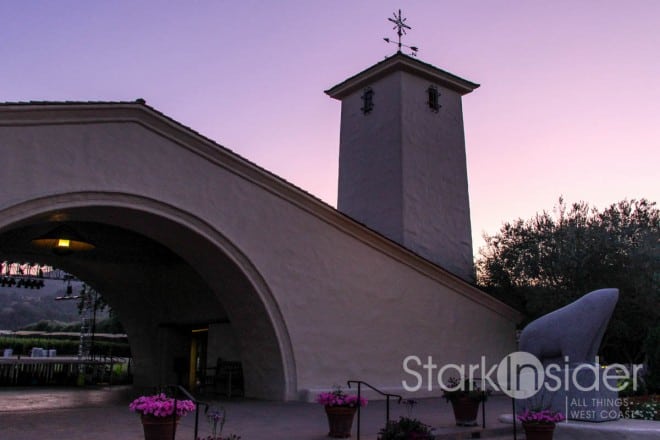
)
(434, 98)
(367, 100)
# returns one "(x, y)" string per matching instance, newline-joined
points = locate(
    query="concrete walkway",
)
(102, 414)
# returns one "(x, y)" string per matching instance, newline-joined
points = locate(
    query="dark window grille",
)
(367, 101)
(434, 98)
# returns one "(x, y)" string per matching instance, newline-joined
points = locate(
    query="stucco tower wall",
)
(402, 168)
(436, 206)
(370, 159)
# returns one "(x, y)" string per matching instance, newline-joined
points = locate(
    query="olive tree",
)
(543, 263)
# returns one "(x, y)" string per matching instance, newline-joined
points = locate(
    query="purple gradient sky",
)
(569, 102)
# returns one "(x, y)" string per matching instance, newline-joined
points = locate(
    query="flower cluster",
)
(545, 416)
(217, 418)
(159, 405)
(456, 389)
(405, 428)
(410, 406)
(339, 398)
(647, 409)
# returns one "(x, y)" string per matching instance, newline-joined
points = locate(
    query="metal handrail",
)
(179, 389)
(359, 395)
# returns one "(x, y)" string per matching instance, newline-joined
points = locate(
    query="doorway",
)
(198, 354)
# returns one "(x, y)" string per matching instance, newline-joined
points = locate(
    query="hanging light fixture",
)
(63, 240)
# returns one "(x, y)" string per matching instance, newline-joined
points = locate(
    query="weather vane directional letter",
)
(401, 26)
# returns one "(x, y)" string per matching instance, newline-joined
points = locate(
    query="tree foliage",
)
(541, 264)
(652, 348)
(20, 307)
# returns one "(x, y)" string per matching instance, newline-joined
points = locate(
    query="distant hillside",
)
(20, 307)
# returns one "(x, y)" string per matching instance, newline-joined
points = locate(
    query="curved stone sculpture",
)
(575, 330)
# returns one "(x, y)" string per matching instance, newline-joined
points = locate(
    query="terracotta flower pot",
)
(158, 428)
(340, 420)
(465, 411)
(538, 431)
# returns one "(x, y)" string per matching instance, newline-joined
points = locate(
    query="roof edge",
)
(404, 63)
(138, 112)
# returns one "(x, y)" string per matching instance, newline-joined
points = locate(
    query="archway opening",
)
(184, 294)
(51, 315)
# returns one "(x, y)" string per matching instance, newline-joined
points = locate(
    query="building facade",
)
(192, 239)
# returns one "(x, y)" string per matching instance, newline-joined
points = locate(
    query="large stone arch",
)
(265, 344)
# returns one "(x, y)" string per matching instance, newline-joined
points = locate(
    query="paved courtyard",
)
(102, 413)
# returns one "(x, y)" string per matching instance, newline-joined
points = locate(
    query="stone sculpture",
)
(576, 330)
(570, 338)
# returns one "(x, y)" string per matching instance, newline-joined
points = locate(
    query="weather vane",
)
(400, 26)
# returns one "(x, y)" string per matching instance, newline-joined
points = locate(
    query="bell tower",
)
(402, 166)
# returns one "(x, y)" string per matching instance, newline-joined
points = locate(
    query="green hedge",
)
(107, 325)
(64, 347)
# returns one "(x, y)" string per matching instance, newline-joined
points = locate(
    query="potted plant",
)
(406, 428)
(216, 417)
(539, 424)
(340, 409)
(465, 398)
(158, 416)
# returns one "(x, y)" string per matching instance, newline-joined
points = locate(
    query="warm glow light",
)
(63, 240)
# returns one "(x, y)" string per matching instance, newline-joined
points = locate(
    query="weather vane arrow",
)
(400, 26)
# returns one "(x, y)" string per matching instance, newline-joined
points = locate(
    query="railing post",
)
(359, 395)
(515, 430)
(176, 394)
(387, 412)
(179, 389)
(359, 408)
(483, 411)
(196, 419)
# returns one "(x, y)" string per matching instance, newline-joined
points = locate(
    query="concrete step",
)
(458, 433)
(508, 436)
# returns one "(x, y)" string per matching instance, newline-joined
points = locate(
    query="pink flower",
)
(159, 405)
(544, 416)
(339, 398)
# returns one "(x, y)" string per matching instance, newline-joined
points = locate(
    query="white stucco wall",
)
(222, 344)
(436, 210)
(370, 167)
(354, 305)
(402, 169)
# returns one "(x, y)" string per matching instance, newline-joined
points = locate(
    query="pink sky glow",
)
(569, 102)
